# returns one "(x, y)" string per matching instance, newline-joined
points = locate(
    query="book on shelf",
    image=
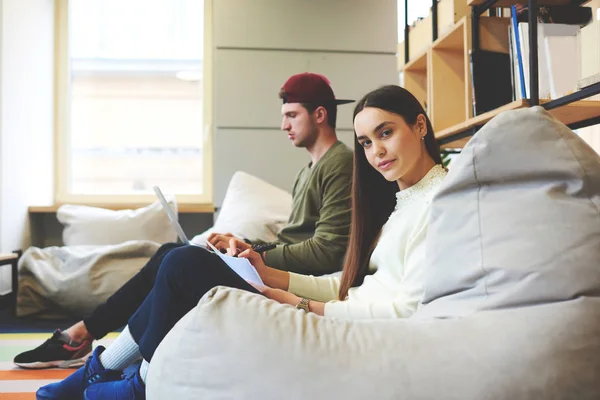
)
(558, 59)
(513, 71)
(562, 63)
(518, 80)
(491, 80)
(589, 46)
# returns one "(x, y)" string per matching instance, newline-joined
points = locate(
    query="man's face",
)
(299, 124)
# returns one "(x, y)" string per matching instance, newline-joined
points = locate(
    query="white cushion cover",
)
(252, 209)
(84, 225)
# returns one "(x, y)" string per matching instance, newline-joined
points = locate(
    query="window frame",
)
(62, 117)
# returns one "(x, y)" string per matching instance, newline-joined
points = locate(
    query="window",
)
(416, 9)
(131, 84)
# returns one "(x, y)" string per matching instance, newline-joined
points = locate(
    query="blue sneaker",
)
(72, 387)
(128, 388)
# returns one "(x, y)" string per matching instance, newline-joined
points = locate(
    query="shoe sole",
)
(65, 364)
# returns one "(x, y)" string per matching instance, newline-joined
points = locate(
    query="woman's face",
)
(392, 147)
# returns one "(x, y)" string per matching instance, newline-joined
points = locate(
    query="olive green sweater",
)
(314, 240)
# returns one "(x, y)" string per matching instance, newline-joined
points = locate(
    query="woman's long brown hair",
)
(373, 197)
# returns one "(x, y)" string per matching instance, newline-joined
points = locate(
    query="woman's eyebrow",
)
(381, 125)
(378, 127)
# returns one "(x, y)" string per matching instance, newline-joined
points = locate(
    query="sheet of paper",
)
(240, 266)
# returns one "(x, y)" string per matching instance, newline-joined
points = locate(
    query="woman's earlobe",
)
(423, 123)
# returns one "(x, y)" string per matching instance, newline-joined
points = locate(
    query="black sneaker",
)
(59, 351)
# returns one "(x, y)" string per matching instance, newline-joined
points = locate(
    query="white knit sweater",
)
(395, 288)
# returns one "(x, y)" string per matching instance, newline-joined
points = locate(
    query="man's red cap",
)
(309, 88)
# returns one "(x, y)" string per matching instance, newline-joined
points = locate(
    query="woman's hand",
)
(252, 256)
(272, 277)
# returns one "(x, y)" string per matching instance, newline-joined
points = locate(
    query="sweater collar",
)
(428, 183)
(326, 155)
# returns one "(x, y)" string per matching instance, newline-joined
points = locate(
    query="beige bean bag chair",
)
(511, 308)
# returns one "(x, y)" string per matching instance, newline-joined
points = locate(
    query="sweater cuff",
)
(275, 258)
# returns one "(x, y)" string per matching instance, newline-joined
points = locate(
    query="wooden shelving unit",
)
(443, 14)
(479, 120)
(416, 78)
(440, 77)
(574, 112)
(568, 114)
(450, 81)
(449, 12)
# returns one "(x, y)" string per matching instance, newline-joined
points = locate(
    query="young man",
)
(313, 242)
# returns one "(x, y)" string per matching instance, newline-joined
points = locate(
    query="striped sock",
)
(123, 352)
(144, 370)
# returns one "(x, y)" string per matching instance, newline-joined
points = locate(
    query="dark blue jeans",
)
(118, 308)
(184, 276)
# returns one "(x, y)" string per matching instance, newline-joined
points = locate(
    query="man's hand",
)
(221, 241)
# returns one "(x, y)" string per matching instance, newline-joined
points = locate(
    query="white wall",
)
(592, 136)
(258, 44)
(26, 119)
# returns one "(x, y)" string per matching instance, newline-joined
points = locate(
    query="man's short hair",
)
(330, 108)
(310, 107)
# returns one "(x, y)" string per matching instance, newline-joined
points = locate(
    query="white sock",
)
(123, 352)
(144, 370)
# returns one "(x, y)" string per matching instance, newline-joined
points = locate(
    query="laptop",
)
(172, 217)
(241, 266)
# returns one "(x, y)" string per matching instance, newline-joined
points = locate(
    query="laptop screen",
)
(171, 215)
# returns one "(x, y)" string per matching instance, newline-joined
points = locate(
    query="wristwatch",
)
(303, 305)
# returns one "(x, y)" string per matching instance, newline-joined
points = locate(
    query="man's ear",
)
(320, 115)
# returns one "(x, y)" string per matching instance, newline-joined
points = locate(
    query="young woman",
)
(397, 169)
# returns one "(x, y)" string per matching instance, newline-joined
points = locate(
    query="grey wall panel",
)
(261, 43)
(247, 82)
(266, 154)
(348, 25)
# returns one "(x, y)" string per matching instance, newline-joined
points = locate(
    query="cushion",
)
(238, 345)
(252, 209)
(516, 221)
(85, 225)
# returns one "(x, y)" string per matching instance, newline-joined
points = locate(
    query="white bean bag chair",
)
(511, 308)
